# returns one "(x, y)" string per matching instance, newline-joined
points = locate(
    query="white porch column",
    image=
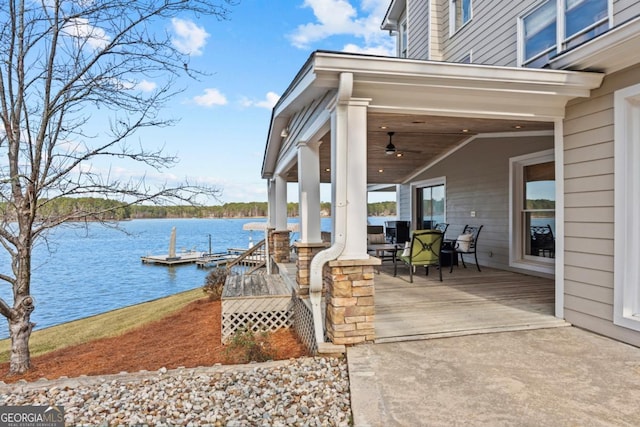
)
(349, 130)
(280, 185)
(271, 204)
(309, 191)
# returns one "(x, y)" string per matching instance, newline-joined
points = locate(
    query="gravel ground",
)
(297, 392)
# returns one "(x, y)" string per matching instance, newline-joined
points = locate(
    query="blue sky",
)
(251, 59)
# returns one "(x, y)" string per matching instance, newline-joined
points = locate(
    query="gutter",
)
(345, 90)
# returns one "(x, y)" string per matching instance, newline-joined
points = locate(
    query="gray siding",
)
(418, 21)
(589, 209)
(478, 180)
(623, 10)
(491, 34)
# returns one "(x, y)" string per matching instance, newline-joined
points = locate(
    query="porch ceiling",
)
(419, 141)
(427, 104)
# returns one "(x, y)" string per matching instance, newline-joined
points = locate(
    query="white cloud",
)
(81, 29)
(189, 38)
(146, 86)
(370, 50)
(269, 102)
(210, 98)
(342, 18)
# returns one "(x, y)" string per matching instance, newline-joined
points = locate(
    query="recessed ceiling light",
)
(327, 170)
(398, 154)
(380, 170)
(383, 127)
(465, 130)
(517, 127)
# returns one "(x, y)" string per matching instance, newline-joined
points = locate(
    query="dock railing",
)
(250, 260)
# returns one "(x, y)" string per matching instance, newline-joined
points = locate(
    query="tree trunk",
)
(20, 327)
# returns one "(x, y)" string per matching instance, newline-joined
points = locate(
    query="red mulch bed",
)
(190, 337)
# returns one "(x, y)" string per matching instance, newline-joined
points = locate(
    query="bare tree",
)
(66, 65)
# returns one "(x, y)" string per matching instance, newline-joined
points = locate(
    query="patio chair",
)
(542, 241)
(423, 251)
(464, 249)
(442, 227)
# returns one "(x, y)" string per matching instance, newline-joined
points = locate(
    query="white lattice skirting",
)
(257, 313)
(303, 324)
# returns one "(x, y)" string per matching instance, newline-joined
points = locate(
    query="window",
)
(430, 204)
(584, 19)
(564, 23)
(467, 59)
(459, 14)
(626, 307)
(403, 38)
(533, 201)
(539, 35)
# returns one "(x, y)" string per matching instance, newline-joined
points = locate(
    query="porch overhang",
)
(421, 88)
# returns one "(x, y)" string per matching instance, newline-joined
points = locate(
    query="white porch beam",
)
(309, 191)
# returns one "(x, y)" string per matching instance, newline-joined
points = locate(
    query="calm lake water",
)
(87, 271)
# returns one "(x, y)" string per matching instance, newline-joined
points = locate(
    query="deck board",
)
(465, 302)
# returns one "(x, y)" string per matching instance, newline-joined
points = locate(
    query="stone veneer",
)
(281, 250)
(350, 300)
(306, 252)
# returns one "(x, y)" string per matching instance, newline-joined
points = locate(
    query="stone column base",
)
(281, 246)
(306, 252)
(350, 300)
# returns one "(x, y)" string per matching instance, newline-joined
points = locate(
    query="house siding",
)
(623, 10)
(491, 34)
(482, 185)
(418, 20)
(589, 209)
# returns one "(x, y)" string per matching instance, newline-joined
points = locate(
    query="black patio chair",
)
(542, 241)
(464, 249)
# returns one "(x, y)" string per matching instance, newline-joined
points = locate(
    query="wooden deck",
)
(466, 302)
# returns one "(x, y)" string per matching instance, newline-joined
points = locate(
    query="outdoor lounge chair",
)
(423, 251)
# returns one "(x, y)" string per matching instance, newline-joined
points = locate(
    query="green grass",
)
(105, 325)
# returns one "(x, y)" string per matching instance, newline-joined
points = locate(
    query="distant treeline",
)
(109, 210)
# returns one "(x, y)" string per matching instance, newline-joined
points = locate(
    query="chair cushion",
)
(463, 242)
(407, 250)
(375, 239)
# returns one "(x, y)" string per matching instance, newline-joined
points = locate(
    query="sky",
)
(250, 60)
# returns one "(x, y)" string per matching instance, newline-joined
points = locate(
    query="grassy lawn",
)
(104, 325)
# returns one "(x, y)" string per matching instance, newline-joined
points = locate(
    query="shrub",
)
(214, 283)
(247, 346)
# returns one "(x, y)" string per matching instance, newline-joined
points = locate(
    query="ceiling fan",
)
(391, 150)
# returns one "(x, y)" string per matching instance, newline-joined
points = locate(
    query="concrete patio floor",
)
(545, 377)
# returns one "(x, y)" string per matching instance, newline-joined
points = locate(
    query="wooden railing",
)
(250, 260)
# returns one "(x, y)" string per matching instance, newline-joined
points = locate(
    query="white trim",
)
(559, 248)
(516, 259)
(626, 299)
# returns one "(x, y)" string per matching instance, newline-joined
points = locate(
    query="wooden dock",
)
(180, 258)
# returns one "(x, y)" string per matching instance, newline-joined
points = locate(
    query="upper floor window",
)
(459, 14)
(584, 19)
(564, 23)
(403, 37)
